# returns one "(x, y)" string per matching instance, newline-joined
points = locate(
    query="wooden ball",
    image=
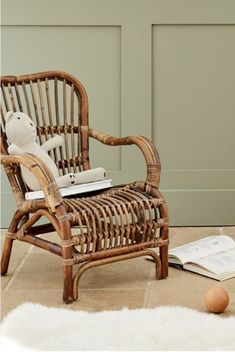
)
(216, 300)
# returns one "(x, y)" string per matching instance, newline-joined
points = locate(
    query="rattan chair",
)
(120, 223)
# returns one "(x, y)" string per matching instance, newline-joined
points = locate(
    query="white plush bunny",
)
(21, 133)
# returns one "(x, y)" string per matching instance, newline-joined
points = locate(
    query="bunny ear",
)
(8, 115)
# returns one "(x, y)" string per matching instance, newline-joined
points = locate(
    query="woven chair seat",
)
(120, 217)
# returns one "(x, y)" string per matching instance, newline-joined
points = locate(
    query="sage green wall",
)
(163, 69)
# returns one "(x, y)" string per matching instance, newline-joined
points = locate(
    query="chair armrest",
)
(145, 145)
(41, 172)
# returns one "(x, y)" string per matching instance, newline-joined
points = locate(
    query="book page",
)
(218, 263)
(202, 248)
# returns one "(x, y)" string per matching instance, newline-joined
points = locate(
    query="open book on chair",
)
(76, 189)
(212, 256)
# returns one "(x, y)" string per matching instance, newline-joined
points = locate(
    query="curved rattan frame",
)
(61, 219)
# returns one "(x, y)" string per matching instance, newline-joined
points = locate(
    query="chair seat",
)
(119, 217)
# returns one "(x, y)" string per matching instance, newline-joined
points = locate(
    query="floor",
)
(35, 276)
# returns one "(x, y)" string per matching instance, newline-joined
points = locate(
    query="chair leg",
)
(6, 253)
(164, 261)
(164, 234)
(158, 264)
(67, 246)
(68, 284)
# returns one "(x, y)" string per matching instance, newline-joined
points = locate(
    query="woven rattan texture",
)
(118, 218)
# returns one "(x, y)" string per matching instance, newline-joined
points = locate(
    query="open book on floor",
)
(76, 189)
(212, 256)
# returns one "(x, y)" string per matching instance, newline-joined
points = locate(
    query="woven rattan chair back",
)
(57, 103)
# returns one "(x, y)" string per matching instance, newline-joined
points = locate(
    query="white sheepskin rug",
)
(33, 326)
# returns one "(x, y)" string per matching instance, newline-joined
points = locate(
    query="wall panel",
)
(163, 69)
